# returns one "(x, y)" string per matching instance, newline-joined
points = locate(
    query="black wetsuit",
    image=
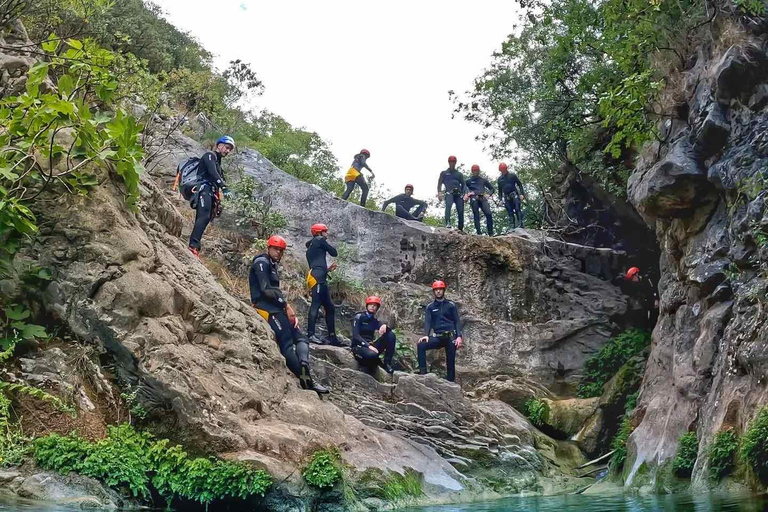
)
(454, 190)
(358, 163)
(479, 201)
(510, 190)
(209, 181)
(403, 204)
(442, 318)
(364, 328)
(264, 281)
(642, 294)
(317, 280)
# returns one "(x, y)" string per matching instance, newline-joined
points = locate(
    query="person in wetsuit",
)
(268, 300)
(355, 176)
(643, 297)
(364, 327)
(403, 204)
(209, 182)
(317, 282)
(476, 187)
(453, 181)
(512, 193)
(442, 329)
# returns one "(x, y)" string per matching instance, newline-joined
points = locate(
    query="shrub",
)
(135, 459)
(616, 353)
(537, 411)
(754, 446)
(324, 468)
(687, 452)
(619, 444)
(721, 452)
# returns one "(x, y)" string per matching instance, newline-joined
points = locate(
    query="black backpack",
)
(186, 176)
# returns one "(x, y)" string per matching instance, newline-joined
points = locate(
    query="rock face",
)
(705, 196)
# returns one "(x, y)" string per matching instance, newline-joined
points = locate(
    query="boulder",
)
(567, 417)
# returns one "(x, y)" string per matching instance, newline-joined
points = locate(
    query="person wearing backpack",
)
(201, 186)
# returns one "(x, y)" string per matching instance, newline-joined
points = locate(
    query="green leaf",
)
(74, 43)
(32, 331)
(51, 44)
(37, 73)
(16, 312)
(66, 85)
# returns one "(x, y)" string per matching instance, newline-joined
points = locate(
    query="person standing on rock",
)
(455, 188)
(209, 182)
(317, 282)
(442, 329)
(268, 300)
(476, 187)
(403, 204)
(512, 193)
(644, 299)
(355, 176)
(364, 327)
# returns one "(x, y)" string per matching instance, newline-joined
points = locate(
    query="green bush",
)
(754, 445)
(687, 452)
(136, 460)
(619, 444)
(537, 411)
(721, 453)
(324, 468)
(616, 353)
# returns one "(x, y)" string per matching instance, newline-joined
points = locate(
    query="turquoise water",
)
(582, 503)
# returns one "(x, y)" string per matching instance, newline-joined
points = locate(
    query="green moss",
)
(754, 445)
(721, 453)
(619, 444)
(403, 488)
(324, 468)
(610, 359)
(687, 453)
(537, 411)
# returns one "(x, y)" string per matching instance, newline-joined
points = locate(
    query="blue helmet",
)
(226, 139)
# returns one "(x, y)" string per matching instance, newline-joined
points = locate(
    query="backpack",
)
(186, 175)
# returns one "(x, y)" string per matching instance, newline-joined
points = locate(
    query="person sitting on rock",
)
(364, 326)
(403, 204)
(644, 299)
(512, 193)
(268, 300)
(355, 176)
(455, 188)
(442, 329)
(476, 186)
(317, 282)
(209, 182)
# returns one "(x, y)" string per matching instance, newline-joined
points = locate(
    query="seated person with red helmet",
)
(404, 203)
(442, 329)
(364, 327)
(317, 282)
(268, 300)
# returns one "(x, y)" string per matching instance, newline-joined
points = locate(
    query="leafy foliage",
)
(136, 460)
(754, 445)
(324, 468)
(537, 411)
(399, 488)
(619, 444)
(254, 209)
(602, 366)
(687, 452)
(721, 453)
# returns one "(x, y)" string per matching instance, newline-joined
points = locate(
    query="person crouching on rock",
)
(442, 319)
(206, 189)
(267, 298)
(364, 327)
(403, 204)
(355, 176)
(317, 282)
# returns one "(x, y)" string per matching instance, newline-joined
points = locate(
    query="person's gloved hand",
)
(227, 194)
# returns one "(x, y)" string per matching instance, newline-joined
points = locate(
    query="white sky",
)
(372, 75)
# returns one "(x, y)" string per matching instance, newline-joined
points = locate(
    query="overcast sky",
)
(372, 75)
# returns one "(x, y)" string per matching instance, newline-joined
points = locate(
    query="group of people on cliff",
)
(452, 188)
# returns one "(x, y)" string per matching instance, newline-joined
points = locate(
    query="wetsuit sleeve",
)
(456, 319)
(489, 187)
(463, 184)
(329, 248)
(418, 202)
(518, 185)
(209, 162)
(501, 189)
(364, 163)
(427, 320)
(388, 202)
(357, 338)
(439, 182)
(259, 277)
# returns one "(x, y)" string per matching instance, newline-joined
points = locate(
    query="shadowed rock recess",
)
(704, 193)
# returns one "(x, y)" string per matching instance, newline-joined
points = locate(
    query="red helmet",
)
(475, 167)
(451, 159)
(632, 272)
(409, 186)
(373, 300)
(277, 241)
(365, 152)
(438, 285)
(502, 167)
(318, 228)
